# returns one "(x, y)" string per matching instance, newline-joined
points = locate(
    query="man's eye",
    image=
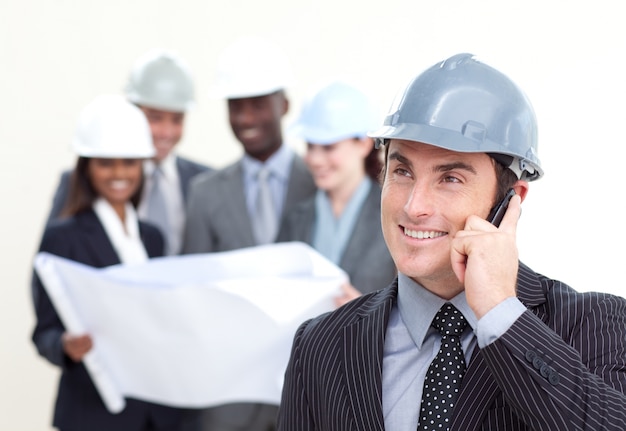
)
(402, 172)
(450, 179)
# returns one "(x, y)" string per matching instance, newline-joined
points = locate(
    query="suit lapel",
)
(184, 175)
(300, 185)
(232, 201)
(361, 238)
(96, 242)
(478, 391)
(364, 372)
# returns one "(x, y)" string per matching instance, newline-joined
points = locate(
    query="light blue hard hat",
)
(337, 111)
(464, 105)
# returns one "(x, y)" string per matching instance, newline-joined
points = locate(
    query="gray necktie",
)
(157, 207)
(443, 378)
(264, 222)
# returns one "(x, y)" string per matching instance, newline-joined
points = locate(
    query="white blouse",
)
(125, 238)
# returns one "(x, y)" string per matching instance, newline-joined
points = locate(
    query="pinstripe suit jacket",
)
(366, 258)
(561, 366)
(217, 216)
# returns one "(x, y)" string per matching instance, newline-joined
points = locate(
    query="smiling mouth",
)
(420, 234)
(249, 133)
(119, 184)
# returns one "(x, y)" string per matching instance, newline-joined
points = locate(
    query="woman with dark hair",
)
(100, 228)
(342, 221)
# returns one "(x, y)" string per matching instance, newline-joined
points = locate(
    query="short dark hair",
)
(374, 164)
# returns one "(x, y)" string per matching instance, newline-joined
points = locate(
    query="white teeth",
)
(419, 234)
(249, 133)
(118, 185)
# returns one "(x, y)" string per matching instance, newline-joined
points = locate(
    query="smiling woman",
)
(99, 228)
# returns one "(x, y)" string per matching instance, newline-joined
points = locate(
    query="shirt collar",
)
(167, 165)
(279, 163)
(113, 225)
(418, 307)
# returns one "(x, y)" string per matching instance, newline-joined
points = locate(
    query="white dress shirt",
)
(124, 237)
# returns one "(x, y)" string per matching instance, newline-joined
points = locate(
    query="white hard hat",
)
(337, 111)
(112, 127)
(251, 67)
(161, 80)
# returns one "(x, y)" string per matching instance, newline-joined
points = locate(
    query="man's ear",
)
(521, 188)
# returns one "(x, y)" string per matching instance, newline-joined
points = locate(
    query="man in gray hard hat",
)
(467, 337)
(161, 85)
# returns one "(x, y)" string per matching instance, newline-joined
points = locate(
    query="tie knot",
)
(449, 321)
(264, 173)
(158, 173)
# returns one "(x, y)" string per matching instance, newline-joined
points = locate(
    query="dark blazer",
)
(366, 258)
(83, 239)
(217, 216)
(187, 169)
(561, 366)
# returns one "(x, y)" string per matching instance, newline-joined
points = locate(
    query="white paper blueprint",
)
(193, 330)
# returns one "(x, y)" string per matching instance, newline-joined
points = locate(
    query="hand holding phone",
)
(497, 212)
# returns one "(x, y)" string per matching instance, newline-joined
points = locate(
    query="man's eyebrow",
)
(399, 157)
(440, 168)
(455, 166)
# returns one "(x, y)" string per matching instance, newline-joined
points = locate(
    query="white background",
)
(56, 55)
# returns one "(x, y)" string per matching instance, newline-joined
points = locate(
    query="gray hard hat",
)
(462, 104)
(161, 80)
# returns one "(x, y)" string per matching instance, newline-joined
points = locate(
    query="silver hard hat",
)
(464, 105)
(161, 80)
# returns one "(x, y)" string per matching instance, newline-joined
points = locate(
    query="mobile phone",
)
(497, 212)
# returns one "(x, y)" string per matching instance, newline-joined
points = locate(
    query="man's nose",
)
(419, 201)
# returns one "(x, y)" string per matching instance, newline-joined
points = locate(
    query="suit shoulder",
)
(192, 166)
(60, 234)
(369, 306)
(213, 175)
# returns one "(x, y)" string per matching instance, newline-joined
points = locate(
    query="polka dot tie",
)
(443, 378)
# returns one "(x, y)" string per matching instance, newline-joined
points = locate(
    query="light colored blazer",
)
(366, 258)
(561, 366)
(217, 217)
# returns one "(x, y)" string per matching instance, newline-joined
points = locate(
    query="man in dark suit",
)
(161, 85)
(224, 211)
(516, 350)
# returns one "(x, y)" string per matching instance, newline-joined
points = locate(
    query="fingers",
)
(76, 346)
(508, 224)
(512, 215)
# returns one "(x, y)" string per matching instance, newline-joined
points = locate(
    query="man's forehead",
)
(400, 145)
(412, 151)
